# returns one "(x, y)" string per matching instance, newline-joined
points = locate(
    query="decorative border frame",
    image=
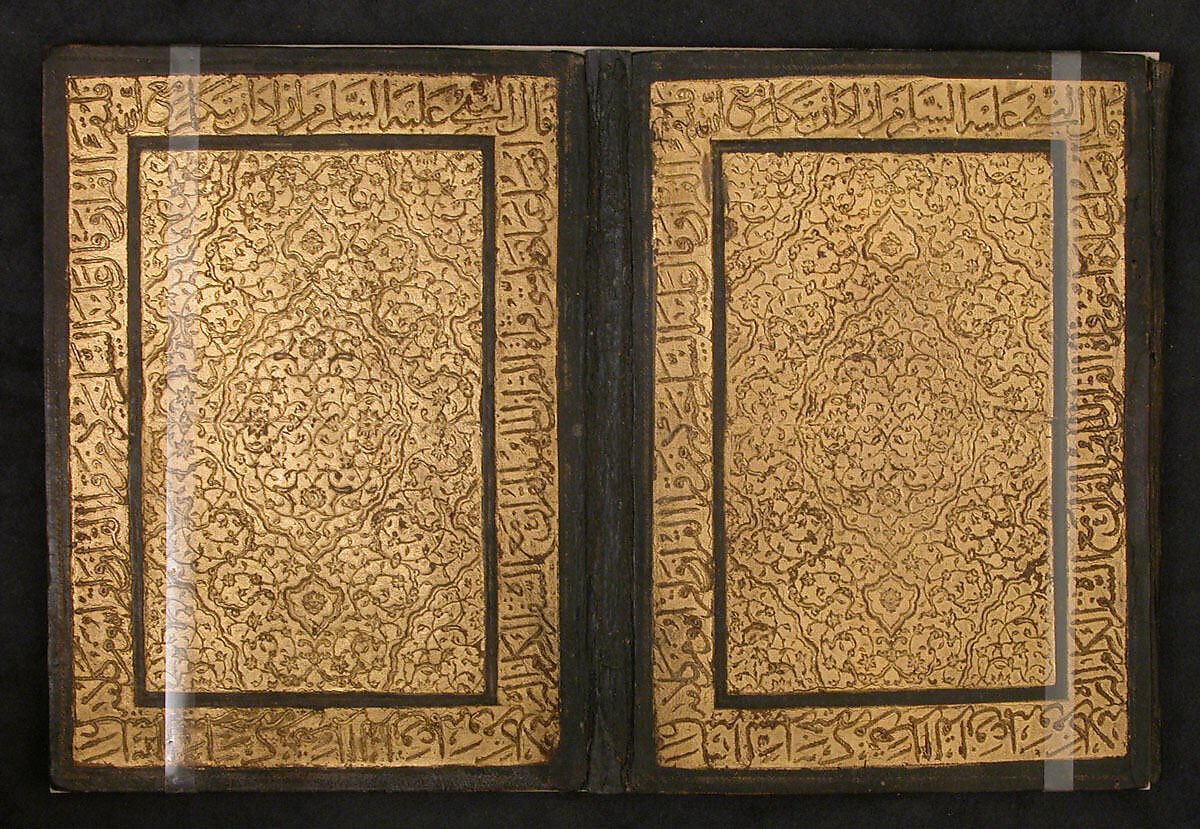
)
(1055, 152)
(565, 767)
(1145, 86)
(485, 145)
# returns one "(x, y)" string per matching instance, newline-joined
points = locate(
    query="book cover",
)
(313, 387)
(898, 325)
(671, 421)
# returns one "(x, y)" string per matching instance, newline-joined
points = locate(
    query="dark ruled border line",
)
(319, 699)
(723, 698)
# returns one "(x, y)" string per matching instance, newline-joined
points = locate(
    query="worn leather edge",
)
(1160, 100)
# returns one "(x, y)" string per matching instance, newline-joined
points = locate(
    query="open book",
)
(684, 421)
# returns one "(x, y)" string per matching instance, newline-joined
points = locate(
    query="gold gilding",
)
(308, 441)
(883, 337)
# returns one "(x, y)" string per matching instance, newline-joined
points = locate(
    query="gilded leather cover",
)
(888, 541)
(311, 345)
(832, 466)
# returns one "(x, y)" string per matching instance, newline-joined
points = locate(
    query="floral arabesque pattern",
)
(312, 477)
(887, 421)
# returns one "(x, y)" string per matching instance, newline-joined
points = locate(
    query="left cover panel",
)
(311, 384)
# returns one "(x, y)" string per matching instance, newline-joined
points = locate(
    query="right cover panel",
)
(897, 408)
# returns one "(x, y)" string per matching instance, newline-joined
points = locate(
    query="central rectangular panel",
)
(312, 362)
(884, 339)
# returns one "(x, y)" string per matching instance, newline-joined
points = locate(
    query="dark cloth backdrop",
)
(29, 27)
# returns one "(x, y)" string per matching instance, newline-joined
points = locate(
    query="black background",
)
(1172, 28)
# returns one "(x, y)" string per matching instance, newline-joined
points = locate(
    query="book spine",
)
(609, 423)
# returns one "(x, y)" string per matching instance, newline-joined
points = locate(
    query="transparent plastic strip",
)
(1065, 69)
(184, 61)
